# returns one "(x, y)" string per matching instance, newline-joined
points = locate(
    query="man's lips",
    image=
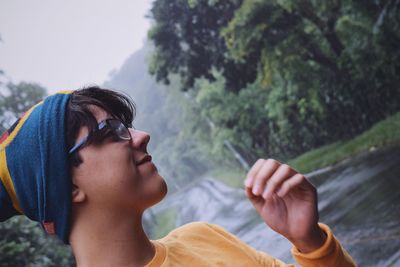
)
(145, 159)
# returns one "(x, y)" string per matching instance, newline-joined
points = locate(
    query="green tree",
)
(322, 71)
(23, 243)
(187, 42)
(15, 99)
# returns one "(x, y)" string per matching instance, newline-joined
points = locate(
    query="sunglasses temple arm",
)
(77, 145)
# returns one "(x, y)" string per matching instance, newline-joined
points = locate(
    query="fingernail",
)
(247, 182)
(256, 190)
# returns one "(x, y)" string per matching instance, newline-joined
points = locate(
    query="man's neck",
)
(110, 242)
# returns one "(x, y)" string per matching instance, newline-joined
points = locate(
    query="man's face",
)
(118, 175)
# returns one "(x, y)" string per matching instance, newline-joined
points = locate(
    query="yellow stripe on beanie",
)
(6, 180)
(18, 127)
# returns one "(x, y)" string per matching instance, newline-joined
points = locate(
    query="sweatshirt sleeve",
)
(330, 254)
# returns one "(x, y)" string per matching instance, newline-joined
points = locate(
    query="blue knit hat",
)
(34, 172)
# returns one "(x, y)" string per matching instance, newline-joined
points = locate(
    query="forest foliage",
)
(278, 78)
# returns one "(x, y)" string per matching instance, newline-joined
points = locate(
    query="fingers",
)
(256, 178)
(290, 183)
(279, 176)
(252, 173)
(269, 176)
(255, 199)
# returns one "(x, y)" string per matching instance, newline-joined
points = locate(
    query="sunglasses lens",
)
(120, 129)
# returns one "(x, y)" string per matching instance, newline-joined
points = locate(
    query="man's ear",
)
(78, 196)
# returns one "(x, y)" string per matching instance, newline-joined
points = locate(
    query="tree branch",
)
(327, 28)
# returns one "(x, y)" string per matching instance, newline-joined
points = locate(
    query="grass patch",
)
(231, 177)
(383, 133)
(165, 223)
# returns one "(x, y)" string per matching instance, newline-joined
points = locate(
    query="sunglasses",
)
(117, 128)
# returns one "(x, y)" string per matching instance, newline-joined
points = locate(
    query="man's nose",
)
(140, 139)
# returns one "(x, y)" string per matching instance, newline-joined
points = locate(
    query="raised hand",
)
(286, 201)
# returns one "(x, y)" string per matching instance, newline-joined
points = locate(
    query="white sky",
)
(65, 44)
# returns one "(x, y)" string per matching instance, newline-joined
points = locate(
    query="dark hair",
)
(79, 113)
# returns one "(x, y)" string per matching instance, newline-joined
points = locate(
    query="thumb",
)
(255, 200)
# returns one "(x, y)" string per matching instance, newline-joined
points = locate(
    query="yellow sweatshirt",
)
(202, 244)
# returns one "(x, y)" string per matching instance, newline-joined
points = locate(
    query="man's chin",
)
(159, 192)
(163, 189)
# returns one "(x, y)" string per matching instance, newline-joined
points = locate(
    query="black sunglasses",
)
(116, 126)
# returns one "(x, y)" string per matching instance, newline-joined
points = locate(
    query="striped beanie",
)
(34, 171)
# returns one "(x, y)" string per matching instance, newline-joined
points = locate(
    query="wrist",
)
(312, 242)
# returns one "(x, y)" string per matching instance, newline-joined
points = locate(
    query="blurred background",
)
(217, 85)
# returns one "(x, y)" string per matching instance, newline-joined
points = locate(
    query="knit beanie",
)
(34, 172)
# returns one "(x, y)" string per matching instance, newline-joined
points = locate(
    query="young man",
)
(74, 164)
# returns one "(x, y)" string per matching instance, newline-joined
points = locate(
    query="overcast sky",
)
(65, 44)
